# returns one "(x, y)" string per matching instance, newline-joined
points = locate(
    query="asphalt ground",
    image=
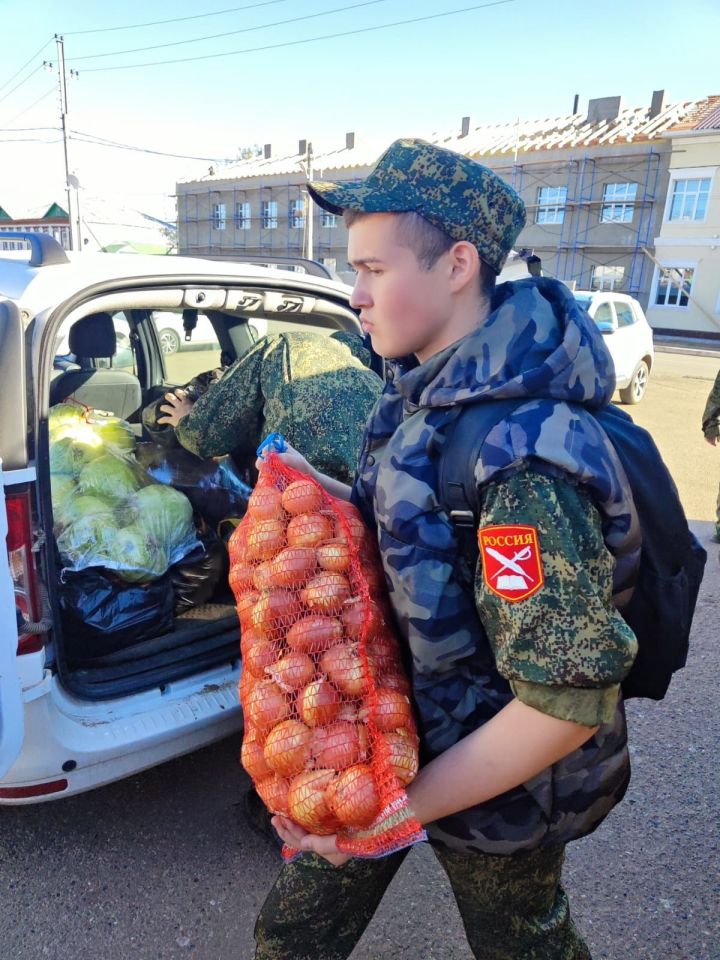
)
(164, 866)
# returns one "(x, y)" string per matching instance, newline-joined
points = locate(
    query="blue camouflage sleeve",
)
(543, 592)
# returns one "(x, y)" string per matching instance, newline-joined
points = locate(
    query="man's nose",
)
(359, 297)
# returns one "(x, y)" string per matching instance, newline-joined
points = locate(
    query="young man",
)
(516, 688)
(711, 432)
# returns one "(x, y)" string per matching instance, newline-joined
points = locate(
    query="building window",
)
(328, 219)
(674, 286)
(219, 216)
(242, 215)
(607, 278)
(618, 202)
(551, 205)
(268, 214)
(690, 199)
(297, 214)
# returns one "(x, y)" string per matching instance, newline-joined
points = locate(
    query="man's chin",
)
(387, 350)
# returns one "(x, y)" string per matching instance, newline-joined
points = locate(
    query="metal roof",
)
(711, 119)
(631, 125)
(703, 115)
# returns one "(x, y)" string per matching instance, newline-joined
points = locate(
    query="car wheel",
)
(635, 390)
(169, 341)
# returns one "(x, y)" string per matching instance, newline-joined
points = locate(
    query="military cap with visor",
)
(453, 192)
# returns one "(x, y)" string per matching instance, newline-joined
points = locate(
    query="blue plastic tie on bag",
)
(276, 441)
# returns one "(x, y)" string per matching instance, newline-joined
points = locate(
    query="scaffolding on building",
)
(576, 252)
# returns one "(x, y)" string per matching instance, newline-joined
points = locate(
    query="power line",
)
(30, 140)
(293, 43)
(10, 80)
(26, 129)
(17, 85)
(155, 23)
(231, 33)
(90, 138)
(33, 104)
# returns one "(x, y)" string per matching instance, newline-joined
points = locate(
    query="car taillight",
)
(22, 568)
(38, 790)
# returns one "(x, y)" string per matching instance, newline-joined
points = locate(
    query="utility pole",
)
(309, 220)
(69, 181)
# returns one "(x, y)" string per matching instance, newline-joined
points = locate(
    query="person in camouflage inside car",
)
(516, 683)
(711, 432)
(315, 389)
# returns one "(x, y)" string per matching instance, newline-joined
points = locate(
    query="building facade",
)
(54, 221)
(685, 287)
(595, 184)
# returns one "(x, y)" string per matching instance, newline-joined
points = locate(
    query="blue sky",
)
(516, 58)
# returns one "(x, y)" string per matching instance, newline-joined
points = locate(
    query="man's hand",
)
(177, 406)
(712, 440)
(293, 458)
(294, 836)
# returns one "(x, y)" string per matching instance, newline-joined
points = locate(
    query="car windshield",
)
(584, 302)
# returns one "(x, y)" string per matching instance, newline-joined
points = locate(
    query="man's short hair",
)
(426, 241)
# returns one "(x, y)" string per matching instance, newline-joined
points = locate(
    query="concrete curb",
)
(690, 346)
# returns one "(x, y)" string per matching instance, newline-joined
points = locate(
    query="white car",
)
(628, 336)
(76, 715)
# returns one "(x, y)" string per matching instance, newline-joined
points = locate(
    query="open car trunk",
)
(114, 636)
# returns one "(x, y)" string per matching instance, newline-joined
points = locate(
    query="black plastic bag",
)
(196, 578)
(102, 614)
(214, 487)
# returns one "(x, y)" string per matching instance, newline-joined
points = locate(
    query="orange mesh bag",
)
(330, 739)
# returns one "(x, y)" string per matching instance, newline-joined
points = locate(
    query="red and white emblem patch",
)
(511, 561)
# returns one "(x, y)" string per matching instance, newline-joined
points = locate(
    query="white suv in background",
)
(628, 336)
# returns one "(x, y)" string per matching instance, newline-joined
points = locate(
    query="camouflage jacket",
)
(711, 414)
(564, 650)
(315, 389)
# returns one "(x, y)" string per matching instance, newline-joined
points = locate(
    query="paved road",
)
(162, 866)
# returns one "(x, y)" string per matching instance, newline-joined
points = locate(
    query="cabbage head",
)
(81, 507)
(62, 458)
(167, 517)
(109, 477)
(80, 543)
(65, 413)
(131, 554)
(114, 432)
(62, 491)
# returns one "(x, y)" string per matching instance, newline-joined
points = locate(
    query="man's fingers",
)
(288, 831)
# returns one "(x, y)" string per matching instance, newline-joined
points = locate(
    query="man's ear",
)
(464, 263)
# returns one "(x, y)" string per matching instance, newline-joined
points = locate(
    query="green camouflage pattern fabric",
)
(456, 194)
(566, 648)
(539, 346)
(316, 390)
(511, 907)
(711, 429)
(711, 414)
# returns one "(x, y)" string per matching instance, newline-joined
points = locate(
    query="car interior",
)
(114, 637)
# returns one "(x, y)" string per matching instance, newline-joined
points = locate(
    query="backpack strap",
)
(464, 438)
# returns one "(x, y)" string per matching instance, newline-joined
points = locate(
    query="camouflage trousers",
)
(513, 908)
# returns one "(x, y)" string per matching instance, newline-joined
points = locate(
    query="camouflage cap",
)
(456, 194)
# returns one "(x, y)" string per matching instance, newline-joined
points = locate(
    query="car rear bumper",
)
(92, 744)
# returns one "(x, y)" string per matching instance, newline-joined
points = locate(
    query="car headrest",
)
(93, 336)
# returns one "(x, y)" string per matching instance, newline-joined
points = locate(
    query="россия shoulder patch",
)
(511, 560)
